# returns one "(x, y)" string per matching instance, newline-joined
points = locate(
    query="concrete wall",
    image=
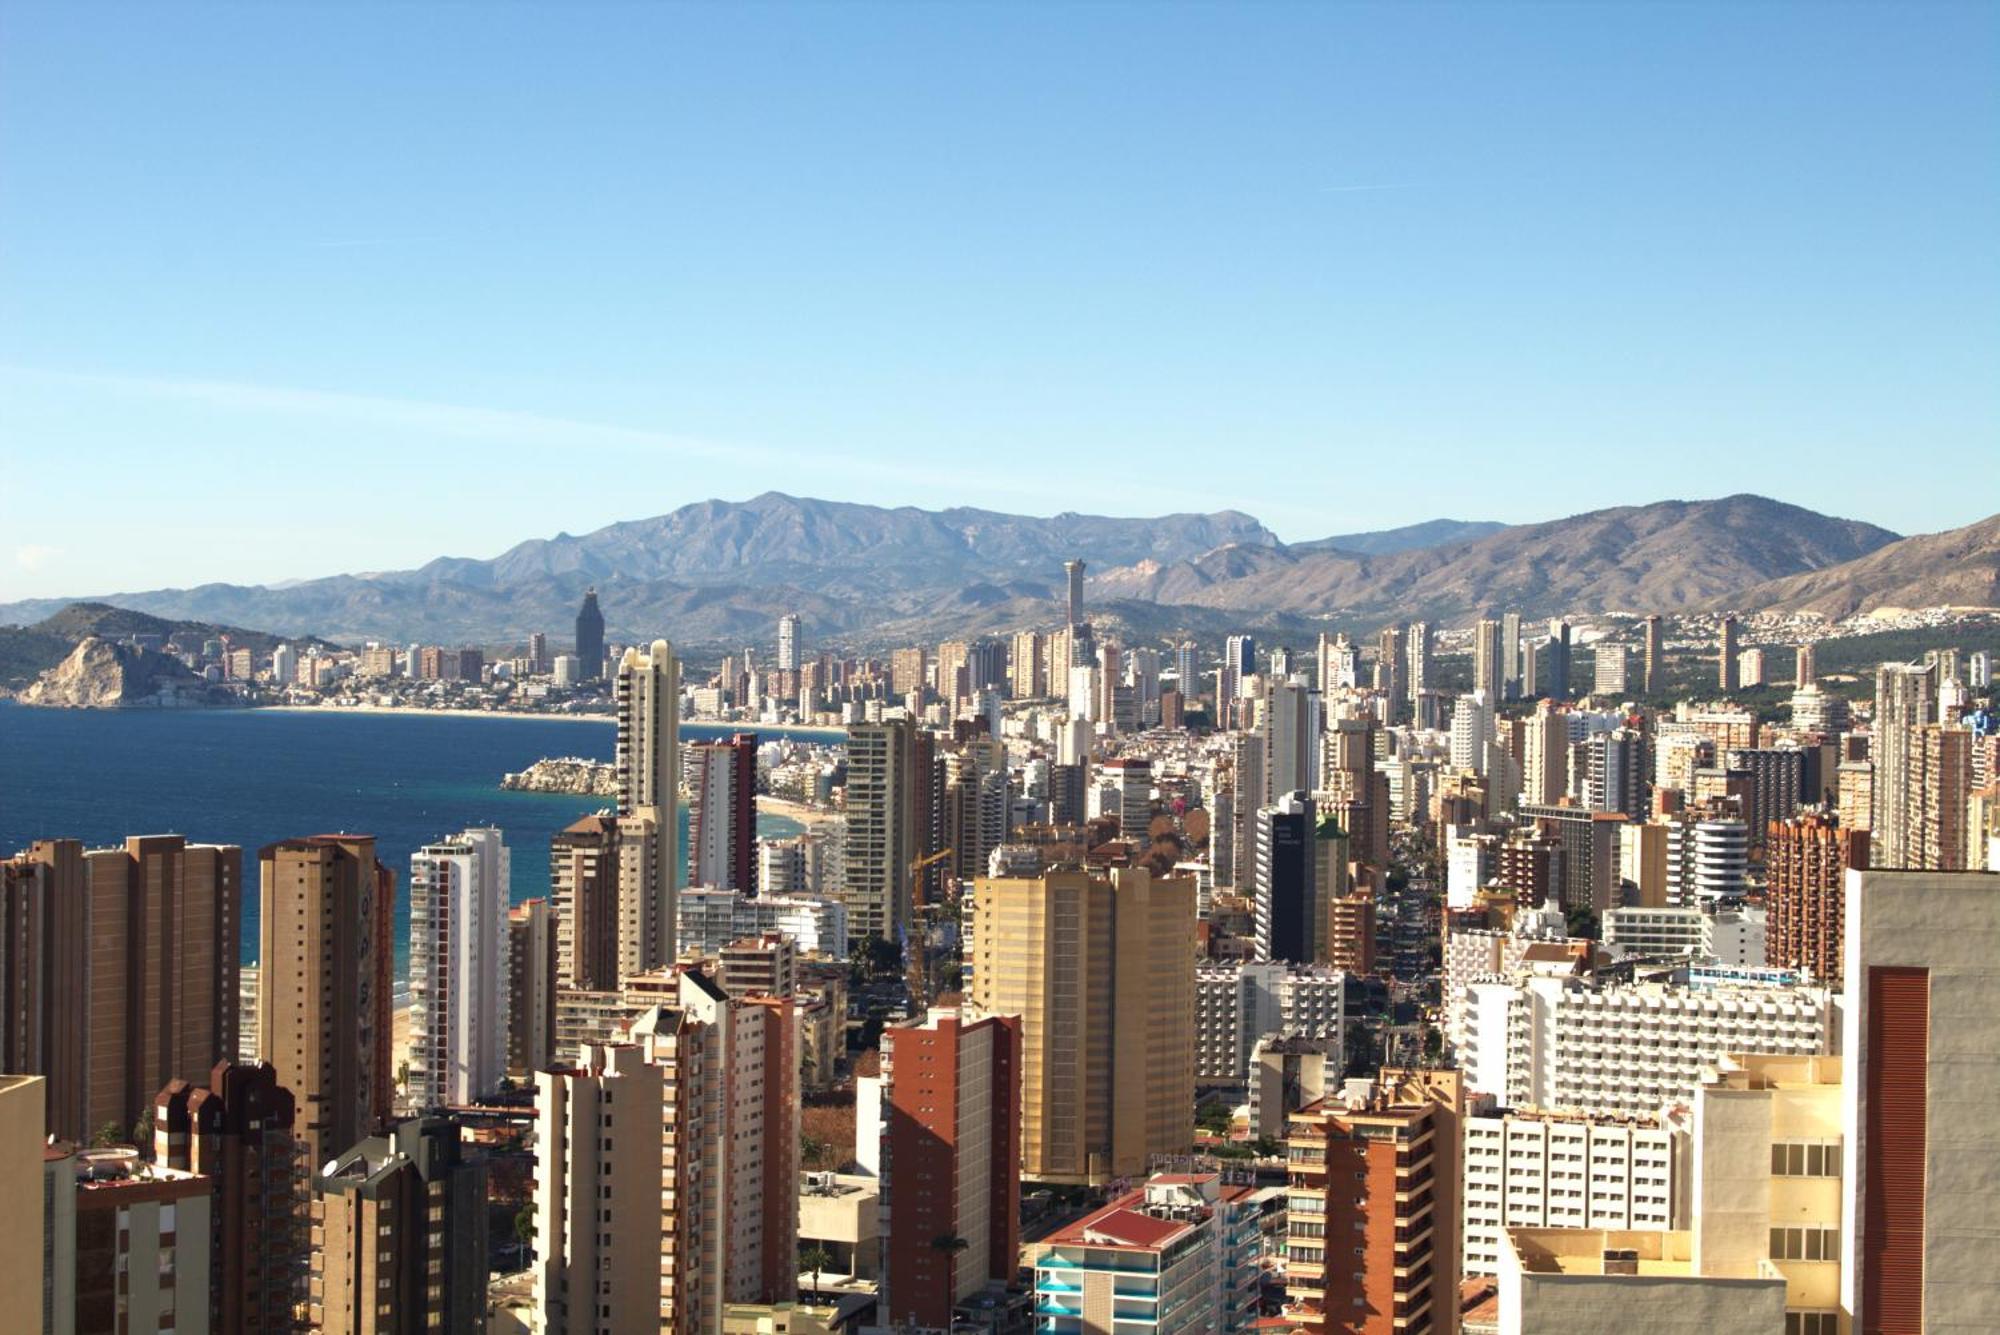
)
(1949, 924)
(21, 1099)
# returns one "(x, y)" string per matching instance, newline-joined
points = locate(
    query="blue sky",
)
(289, 290)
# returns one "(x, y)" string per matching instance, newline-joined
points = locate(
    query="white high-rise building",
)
(1472, 732)
(1240, 1002)
(711, 919)
(1083, 693)
(458, 968)
(1289, 721)
(1536, 1169)
(1471, 859)
(284, 665)
(791, 642)
(1707, 860)
(648, 692)
(1626, 1049)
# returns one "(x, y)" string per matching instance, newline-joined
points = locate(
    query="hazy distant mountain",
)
(1661, 557)
(1410, 537)
(720, 572)
(1956, 568)
(779, 539)
(711, 571)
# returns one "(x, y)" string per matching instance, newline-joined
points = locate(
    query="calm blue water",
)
(253, 777)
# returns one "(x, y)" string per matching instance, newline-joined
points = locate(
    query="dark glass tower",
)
(590, 638)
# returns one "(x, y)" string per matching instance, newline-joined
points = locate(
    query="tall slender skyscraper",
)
(1488, 668)
(1423, 657)
(882, 834)
(1807, 673)
(1726, 650)
(1285, 898)
(458, 968)
(1905, 701)
(1289, 722)
(1557, 685)
(1510, 657)
(1239, 654)
(1390, 670)
(1073, 570)
(323, 985)
(1653, 669)
(590, 638)
(649, 771)
(722, 832)
(791, 642)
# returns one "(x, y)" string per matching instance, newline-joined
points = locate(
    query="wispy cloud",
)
(35, 556)
(370, 242)
(453, 420)
(504, 426)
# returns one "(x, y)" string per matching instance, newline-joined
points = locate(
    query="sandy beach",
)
(387, 711)
(798, 811)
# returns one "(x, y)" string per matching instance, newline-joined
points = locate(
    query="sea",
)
(254, 776)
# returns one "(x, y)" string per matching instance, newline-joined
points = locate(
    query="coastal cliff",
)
(99, 674)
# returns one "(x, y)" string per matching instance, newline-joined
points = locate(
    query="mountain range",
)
(719, 572)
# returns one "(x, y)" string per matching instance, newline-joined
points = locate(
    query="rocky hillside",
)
(1957, 568)
(1668, 556)
(719, 573)
(28, 651)
(100, 674)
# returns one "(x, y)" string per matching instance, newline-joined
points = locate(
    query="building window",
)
(1805, 1244)
(1805, 1158)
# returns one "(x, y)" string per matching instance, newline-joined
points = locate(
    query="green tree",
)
(107, 1136)
(813, 1150)
(815, 1257)
(524, 1228)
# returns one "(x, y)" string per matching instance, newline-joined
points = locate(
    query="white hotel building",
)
(1626, 1049)
(1535, 1169)
(711, 919)
(1237, 1004)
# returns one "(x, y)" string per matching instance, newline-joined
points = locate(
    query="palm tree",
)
(951, 1245)
(815, 1258)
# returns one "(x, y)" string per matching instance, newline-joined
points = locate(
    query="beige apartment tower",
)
(136, 970)
(324, 982)
(399, 1236)
(1100, 968)
(648, 692)
(669, 1187)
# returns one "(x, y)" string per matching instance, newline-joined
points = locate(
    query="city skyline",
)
(869, 258)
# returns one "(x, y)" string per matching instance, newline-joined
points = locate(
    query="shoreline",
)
(808, 730)
(810, 817)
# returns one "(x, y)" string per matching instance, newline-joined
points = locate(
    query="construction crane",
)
(917, 973)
